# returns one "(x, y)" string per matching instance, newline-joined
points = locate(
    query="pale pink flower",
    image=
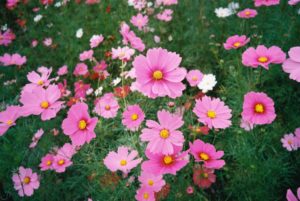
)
(235, 42)
(34, 43)
(122, 53)
(247, 126)
(145, 194)
(156, 39)
(194, 77)
(292, 64)
(8, 118)
(247, 13)
(107, 106)
(36, 138)
(96, 40)
(86, 55)
(38, 79)
(62, 70)
(130, 37)
(47, 42)
(291, 197)
(80, 69)
(290, 142)
(14, 59)
(292, 3)
(132, 117)
(165, 15)
(259, 3)
(166, 2)
(139, 21)
(152, 181)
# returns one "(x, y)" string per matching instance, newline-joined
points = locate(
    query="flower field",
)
(150, 100)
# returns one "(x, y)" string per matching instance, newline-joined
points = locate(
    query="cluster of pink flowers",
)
(259, 3)
(291, 141)
(14, 59)
(130, 37)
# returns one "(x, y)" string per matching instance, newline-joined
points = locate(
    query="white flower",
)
(4, 27)
(149, 4)
(298, 12)
(223, 12)
(131, 2)
(79, 33)
(170, 38)
(57, 4)
(37, 18)
(98, 91)
(207, 83)
(233, 6)
(116, 81)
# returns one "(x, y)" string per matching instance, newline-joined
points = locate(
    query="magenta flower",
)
(8, 36)
(107, 106)
(194, 77)
(235, 42)
(291, 197)
(36, 138)
(14, 59)
(213, 112)
(259, 3)
(25, 181)
(86, 55)
(153, 182)
(206, 153)
(247, 13)
(42, 102)
(122, 160)
(8, 118)
(159, 74)
(81, 89)
(139, 21)
(96, 40)
(80, 69)
(290, 142)
(258, 108)
(292, 64)
(145, 194)
(133, 116)
(262, 56)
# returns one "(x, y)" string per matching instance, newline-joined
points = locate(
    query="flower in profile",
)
(47, 162)
(207, 83)
(235, 42)
(122, 160)
(80, 69)
(107, 106)
(292, 64)
(259, 3)
(152, 181)
(207, 154)
(213, 112)
(163, 137)
(25, 181)
(145, 194)
(203, 177)
(8, 118)
(194, 77)
(139, 21)
(122, 53)
(263, 56)
(158, 74)
(247, 13)
(14, 59)
(132, 117)
(165, 15)
(36, 138)
(290, 142)
(86, 55)
(96, 40)
(78, 125)
(258, 108)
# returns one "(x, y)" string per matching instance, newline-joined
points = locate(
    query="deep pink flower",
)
(203, 177)
(139, 21)
(259, 3)
(8, 118)
(263, 56)
(163, 136)
(14, 59)
(292, 64)
(145, 194)
(290, 142)
(7, 37)
(81, 89)
(47, 162)
(165, 15)
(291, 197)
(235, 42)
(25, 181)
(122, 160)
(79, 126)
(159, 74)
(100, 66)
(107, 106)
(258, 108)
(133, 116)
(36, 138)
(86, 55)
(247, 13)
(152, 181)
(194, 77)
(96, 40)
(80, 69)
(62, 70)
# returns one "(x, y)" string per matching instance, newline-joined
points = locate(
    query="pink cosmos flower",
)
(291, 197)
(297, 135)
(165, 164)
(122, 160)
(166, 2)
(263, 56)
(153, 182)
(36, 138)
(7, 37)
(8, 118)
(213, 112)
(292, 64)
(204, 177)
(100, 66)
(163, 136)
(47, 162)
(62, 70)
(206, 153)
(290, 142)
(60, 163)
(63, 88)
(165, 15)
(145, 194)
(122, 53)
(14, 59)
(25, 181)
(133, 116)
(258, 108)
(47, 42)
(96, 40)
(189, 190)
(159, 74)
(42, 102)
(38, 79)
(79, 126)
(247, 126)
(80, 69)
(34, 43)
(107, 106)
(292, 3)
(247, 13)
(11, 4)
(86, 55)
(259, 3)
(81, 89)
(139, 21)
(130, 37)
(235, 42)
(194, 77)
(91, 2)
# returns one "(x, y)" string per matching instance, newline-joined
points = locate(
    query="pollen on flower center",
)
(26, 180)
(44, 104)
(61, 162)
(146, 196)
(204, 175)
(259, 108)
(150, 182)
(247, 13)
(236, 44)
(168, 160)
(49, 163)
(134, 117)
(164, 133)
(157, 75)
(40, 82)
(203, 156)
(194, 78)
(289, 142)
(263, 59)
(107, 107)
(123, 162)
(211, 114)
(82, 124)
(9, 122)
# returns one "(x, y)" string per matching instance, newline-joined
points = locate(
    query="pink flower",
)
(139, 21)
(166, 2)
(153, 182)
(290, 142)
(206, 153)
(79, 126)
(165, 164)
(133, 116)
(107, 106)
(38, 79)
(25, 181)
(81, 89)
(36, 138)
(100, 66)
(235, 42)
(258, 108)
(91, 2)
(247, 126)
(263, 56)
(47, 162)
(259, 3)
(60, 163)
(14, 59)
(96, 40)
(11, 4)
(122, 53)
(204, 177)
(47, 42)
(42, 102)
(86, 55)
(80, 69)
(7, 37)
(8, 118)
(189, 190)
(194, 77)
(292, 64)
(292, 3)
(62, 70)
(129, 36)
(163, 136)
(145, 194)
(122, 160)
(247, 13)
(297, 135)
(34, 43)
(166, 15)
(291, 197)
(213, 112)
(159, 74)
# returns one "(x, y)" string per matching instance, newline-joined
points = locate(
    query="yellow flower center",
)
(247, 13)
(204, 156)
(289, 142)
(122, 54)
(107, 107)
(146, 196)
(194, 78)
(49, 163)
(204, 175)
(9, 122)
(168, 160)
(236, 44)
(263, 59)
(61, 162)
(82, 124)
(123, 162)
(26, 180)
(134, 117)
(150, 182)
(211, 114)
(164, 133)
(259, 108)
(44, 104)
(40, 82)
(157, 75)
